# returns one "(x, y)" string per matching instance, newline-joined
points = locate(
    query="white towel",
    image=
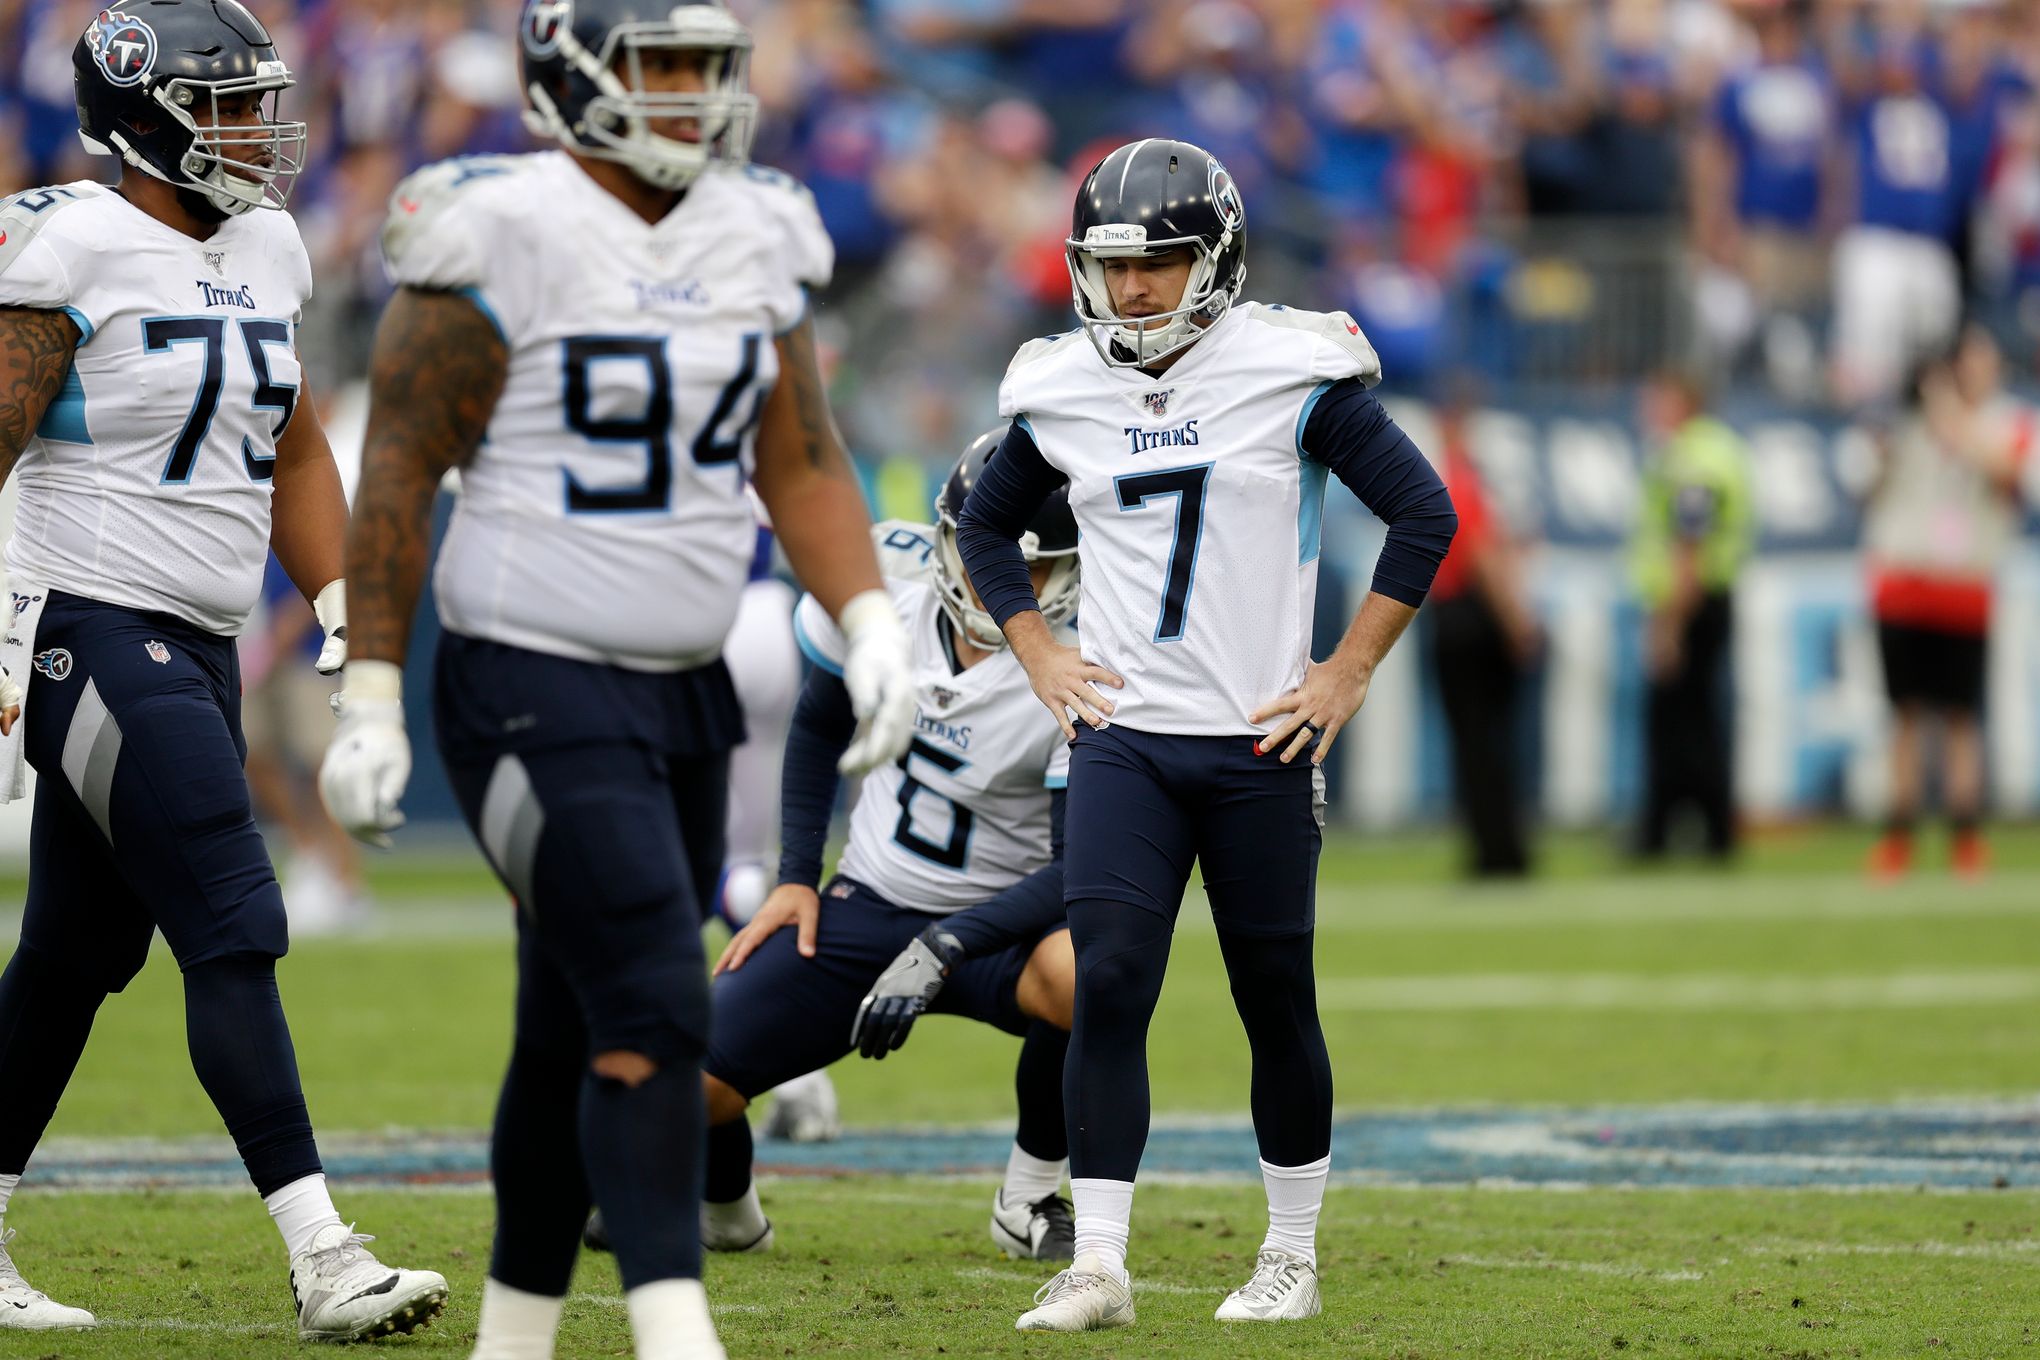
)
(17, 653)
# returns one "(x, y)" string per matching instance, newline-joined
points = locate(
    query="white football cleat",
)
(1042, 1231)
(1284, 1288)
(27, 1309)
(804, 1111)
(344, 1294)
(1084, 1298)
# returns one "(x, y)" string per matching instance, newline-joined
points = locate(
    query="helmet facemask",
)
(212, 164)
(1057, 596)
(616, 124)
(1136, 342)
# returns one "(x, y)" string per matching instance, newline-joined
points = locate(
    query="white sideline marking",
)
(1432, 907)
(1679, 991)
(1140, 1286)
(1576, 1267)
(188, 1325)
(2025, 1246)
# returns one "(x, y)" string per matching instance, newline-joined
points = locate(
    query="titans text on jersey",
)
(965, 813)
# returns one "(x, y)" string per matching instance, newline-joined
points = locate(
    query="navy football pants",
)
(598, 796)
(143, 821)
(1142, 808)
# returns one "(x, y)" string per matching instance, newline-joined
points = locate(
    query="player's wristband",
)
(373, 682)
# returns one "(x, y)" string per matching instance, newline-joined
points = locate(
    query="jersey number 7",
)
(1187, 485)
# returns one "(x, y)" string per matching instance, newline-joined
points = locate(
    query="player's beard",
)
(201, 207)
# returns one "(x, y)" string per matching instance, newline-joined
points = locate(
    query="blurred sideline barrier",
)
(1564, 466)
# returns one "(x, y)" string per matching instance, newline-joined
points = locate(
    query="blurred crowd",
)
(1803, 193)
(1809, 198)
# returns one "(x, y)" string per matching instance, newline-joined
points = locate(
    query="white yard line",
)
(1044, 1275)
(2017, 1249)
(1680, 991)
(1574, 1267)
(107, 1324)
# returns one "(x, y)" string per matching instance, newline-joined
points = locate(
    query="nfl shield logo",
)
(943, 697)
(1157, 403)
(158, 653)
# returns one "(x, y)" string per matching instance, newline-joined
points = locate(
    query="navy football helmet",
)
(1145, 199)
(1052, 533)
(150, 78)
(584, 75)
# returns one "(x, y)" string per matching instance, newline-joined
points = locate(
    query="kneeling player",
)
(953, 876)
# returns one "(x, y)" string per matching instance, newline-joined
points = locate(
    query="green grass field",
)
(1788, 980)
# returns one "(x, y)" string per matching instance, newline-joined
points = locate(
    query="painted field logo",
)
(158, 653)
(123, 46)
(55, 663)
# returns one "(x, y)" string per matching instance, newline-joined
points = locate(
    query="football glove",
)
(879, 673)
(369, 762)
(331, 609)
(903, 991)
(10, 692)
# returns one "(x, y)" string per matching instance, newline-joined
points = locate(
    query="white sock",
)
(7, 1184)
(669, 1321)
(738, 1223)
(1030, 1179)
(300, 1210)
(1104, 1218)
(516, 1325)
(1295, 1195)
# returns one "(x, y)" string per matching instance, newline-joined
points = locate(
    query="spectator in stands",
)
(1484, 638)
(1762, 163)
(1548, 57)
(1635, 137)
(2009, 228)
(1942, 516)
(1897, 293)
(1696, 530)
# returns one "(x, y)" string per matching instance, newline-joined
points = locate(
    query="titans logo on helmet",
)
(1225, 198)
(124, 46)
(544, 22)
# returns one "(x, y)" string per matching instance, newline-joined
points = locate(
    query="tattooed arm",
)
(805, 478)
(437, 369)
(35, 355)
(308, 510)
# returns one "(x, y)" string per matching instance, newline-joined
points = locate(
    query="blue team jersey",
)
(1905, 171)
(1777, 118)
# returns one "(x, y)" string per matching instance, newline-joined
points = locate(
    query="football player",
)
(605, 338)
(949, 893)
(154, 418)
(1194, 434)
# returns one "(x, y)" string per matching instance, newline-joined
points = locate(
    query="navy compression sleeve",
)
(1022, 913)
(1016, 480)
(822, 726)
(1347, 430)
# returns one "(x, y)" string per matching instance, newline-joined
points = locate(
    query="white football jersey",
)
(604, 516)
(1200, 518)
(963, 815)
(147, 483)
